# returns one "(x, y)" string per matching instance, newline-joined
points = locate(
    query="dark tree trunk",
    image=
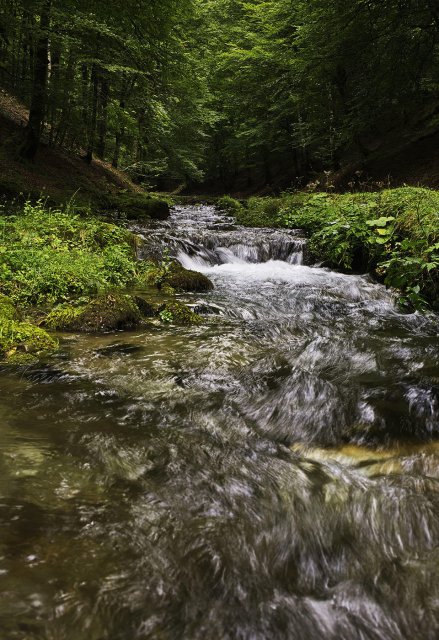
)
(54, 84)
(103, 113)
(37, 111)
(119, 134)
(94, 114)
(68, 82)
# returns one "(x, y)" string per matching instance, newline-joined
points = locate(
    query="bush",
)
(229, 205)
(394, 233)
(50, 256)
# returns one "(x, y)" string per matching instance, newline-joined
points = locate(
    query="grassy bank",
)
(60, 270)
(393, 234)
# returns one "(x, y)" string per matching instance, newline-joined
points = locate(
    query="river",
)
(271, 474)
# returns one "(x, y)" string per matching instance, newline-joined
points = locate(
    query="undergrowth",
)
(51, 255)
(393, 234)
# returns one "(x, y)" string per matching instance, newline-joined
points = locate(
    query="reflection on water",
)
(271, 474)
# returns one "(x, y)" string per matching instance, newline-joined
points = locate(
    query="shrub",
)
(51, 256)
(394, 233)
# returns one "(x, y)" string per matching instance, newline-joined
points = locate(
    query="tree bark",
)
(104, 94)
(94, 114)
(37, 111)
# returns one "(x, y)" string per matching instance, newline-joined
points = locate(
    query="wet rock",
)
(23, 343)
(111, 312)
(145, 308)
(118, 350)
(178, 313)
(206, 309)
(179, 279)
(183, 279)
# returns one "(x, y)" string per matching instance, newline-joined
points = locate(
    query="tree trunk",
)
(37, 111)
(103, 114)
(119, 133)
(94, 114)
(54, 93)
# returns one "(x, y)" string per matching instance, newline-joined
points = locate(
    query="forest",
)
(229, 93)
(219, 319)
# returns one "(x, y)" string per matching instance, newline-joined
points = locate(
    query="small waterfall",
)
(214, 240)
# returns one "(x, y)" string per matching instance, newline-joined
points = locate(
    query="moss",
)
(20, 339)
(140, 206)
(173, 277)
(20, 358)
(63, 317)
(178, 313)
(145, 308)
(7, 309)
(111, 312)
(182, 279)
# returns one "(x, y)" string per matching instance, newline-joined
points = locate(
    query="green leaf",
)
(380, 222)
(384, 232)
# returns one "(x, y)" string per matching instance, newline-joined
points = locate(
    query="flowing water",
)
(272, 474)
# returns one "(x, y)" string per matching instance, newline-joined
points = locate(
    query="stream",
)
(271, 474)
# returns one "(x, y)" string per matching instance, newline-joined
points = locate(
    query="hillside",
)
(61, 174)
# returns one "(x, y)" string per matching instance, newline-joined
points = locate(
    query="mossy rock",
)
(182, 279)
(178, 313)
(23, 342)
(7, 308)
(111, 312)
(141, 206)
(145, 308)
(179, 279)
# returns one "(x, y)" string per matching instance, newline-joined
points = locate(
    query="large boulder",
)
(140, 206)
(178, 278)
(23, 342)
(110, 312)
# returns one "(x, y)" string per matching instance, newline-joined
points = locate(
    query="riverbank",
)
(61, 271)
(392, 234)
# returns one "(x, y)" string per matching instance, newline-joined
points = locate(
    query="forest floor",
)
(414, 163)
(59, 174)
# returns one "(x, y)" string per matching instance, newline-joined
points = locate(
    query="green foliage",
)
(229, 205)
(124, 84)
(7, 309)
(166, 316)
(51, 256)
(394, 233)
(260, 212)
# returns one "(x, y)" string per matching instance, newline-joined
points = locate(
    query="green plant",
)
(393, 233)
(51, 255)
(166, 316)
